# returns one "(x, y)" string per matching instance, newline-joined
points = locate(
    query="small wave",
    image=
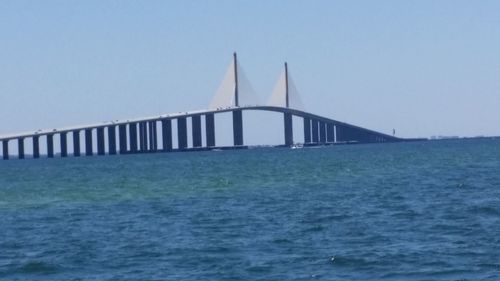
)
(315, 228)
(11, 245)
(282, 241)
(407, 214)
(490, 265)
(485, 210)
(146, 254)
(451, 274)
(260, 268)
(326, 219)
(37, 267)
(349, 261)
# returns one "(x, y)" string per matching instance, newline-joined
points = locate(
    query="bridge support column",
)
(182, 132)
(122, 135)
(196, 130)
(315, 133)
(100, 141)
(140, 133)
(36, 147)
(307, 130)
(5, 148)
(88, 142)
(155, 135)
(330, 133)
(210, 129)
(50, 146)
(166, 128)
(112, 140)
(132, 127)
(288, 129)
(152, 140)
(64, 144)
(343, 133)
(20, 148)
(367, 137)
(322, 132)
(360, 136)
(143, 136)
(238, 127)
(339, 134)
(76, 143)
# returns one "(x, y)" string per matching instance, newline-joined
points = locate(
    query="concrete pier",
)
(111, 140)
(140, 134)
(315, 132)
(76, 143)
(330, 132)
(237, 127)
(89, 150)
(155, 135)
(5, 149)
(36, 147)
(133, 137)
(288, 122)
(196, 130)
(64, 144)
(343, 134)
(100, 141)
(50, 145)
(348, 134)
(307, 130)
(143, 137)
(166, 128)
(339, 133)
(322, 132)
(210, 129)
(152, 136)
(357, 136)
(122, 135)
(182, 132)
(20, 148)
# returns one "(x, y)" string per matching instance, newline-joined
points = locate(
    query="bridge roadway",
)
(140, 135)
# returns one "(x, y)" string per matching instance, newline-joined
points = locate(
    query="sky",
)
(421, 67)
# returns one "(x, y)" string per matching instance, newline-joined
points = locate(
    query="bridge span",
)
(142, 135)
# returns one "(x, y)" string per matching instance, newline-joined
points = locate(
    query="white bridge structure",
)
(235, 95)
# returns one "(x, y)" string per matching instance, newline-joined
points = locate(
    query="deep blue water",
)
(408, 211)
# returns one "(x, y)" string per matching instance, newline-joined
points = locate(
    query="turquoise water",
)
(408, 211)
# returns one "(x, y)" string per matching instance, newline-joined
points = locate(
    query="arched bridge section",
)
(143, 136)
(322, 130)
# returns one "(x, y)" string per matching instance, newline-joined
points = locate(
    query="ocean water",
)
(407, 211)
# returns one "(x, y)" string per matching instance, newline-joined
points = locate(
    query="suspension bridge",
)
(155, 134)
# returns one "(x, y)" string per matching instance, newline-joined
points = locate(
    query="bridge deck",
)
(176, 115)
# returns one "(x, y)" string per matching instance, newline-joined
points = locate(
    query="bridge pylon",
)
(285, 94)
(235, 91)
(235, 95)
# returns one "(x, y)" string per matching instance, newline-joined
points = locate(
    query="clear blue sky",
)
(422, 67)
